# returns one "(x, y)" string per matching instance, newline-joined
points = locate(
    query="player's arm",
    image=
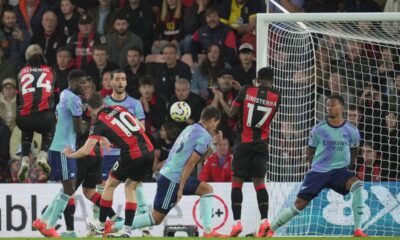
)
(187, 170)
(238, 102)
(77, 125)
(353, 157)
(310, 154)
(84, 150)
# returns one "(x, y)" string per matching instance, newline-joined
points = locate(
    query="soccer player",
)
(119, 97)
(257, 107)
(332, 147)
(124, 131)
(69, 111)
(175, 180)
(35, 107)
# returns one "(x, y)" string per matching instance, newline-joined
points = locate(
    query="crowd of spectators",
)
(201, 52)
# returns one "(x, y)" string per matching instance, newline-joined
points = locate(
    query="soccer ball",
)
(180, 111)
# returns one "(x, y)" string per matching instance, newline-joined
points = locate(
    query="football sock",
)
(143, 220)
(206, 202)
(59, 207)
(95, 199)
(262, 199)
(130, 209)
(141, 200)
(49, 210)
(105, 209)
(284, 217)
(69, 213)
(357, 204)
(236, 199)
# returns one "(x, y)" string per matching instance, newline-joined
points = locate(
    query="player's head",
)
(118, 81)
(95, 103)
(210, 117)
(76, 80)
(34, 55)
(335, 106)
(265, 77)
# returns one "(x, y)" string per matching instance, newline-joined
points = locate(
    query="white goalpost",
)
(356, 55)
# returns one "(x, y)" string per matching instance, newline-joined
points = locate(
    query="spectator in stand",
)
(368, 168)
(206, 73)
(321, 5)
(99, 65)
(48, 38)
(69, 17)
(8, 104)
(292, 6)
(222, 96)
(106, 88)
(355, 67)
(29, 15)
(241, 15)
(165, 74)
(63, 68)
(390, 147)
(214, 32)
(7, 70)
(193, 19)
(169, 31)
(134, 71)
(103, 17)
(141, 21)
(354, 116)
(119, 41)
(17, 40)
(245, 71)
(336, 86)
(183, 93)
(395, 98)
(4, 152)
(169, 132)
(154, 109)
(82, 42)
(361, 6)
(217, 167)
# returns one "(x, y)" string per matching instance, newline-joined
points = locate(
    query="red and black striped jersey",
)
(258, 106)
(123, 130)
(35, 89)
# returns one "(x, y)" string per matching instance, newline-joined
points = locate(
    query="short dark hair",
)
(64, 49)
(101, 47)
(209, 113)
(136, 49)
(337, 97)
(115, 72)
(95, 100)
(172, 130)
(121, 16)
(266, 74)
(75, 75)
(36, 60)
(169, 45)
(146, 80)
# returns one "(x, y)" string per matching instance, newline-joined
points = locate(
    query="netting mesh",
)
(360, 61)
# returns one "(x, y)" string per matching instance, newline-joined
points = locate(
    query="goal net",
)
(356, 56)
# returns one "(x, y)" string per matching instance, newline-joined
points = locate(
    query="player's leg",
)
(343, 182)
(241, 169)
(312, 185)
(69, 214)
(258, 171)
(26, 141)
(46, 129)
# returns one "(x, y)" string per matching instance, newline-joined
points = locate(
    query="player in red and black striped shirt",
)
(256, 107)
(35, 107)
(124, 131)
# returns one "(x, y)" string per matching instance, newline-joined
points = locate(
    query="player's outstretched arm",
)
(187, 170)
(83, 151)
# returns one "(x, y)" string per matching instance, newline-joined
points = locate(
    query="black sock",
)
(105, 209)
(130, 209)
(110, 212)
(262, 199)
(69, 215)
(236, 199)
